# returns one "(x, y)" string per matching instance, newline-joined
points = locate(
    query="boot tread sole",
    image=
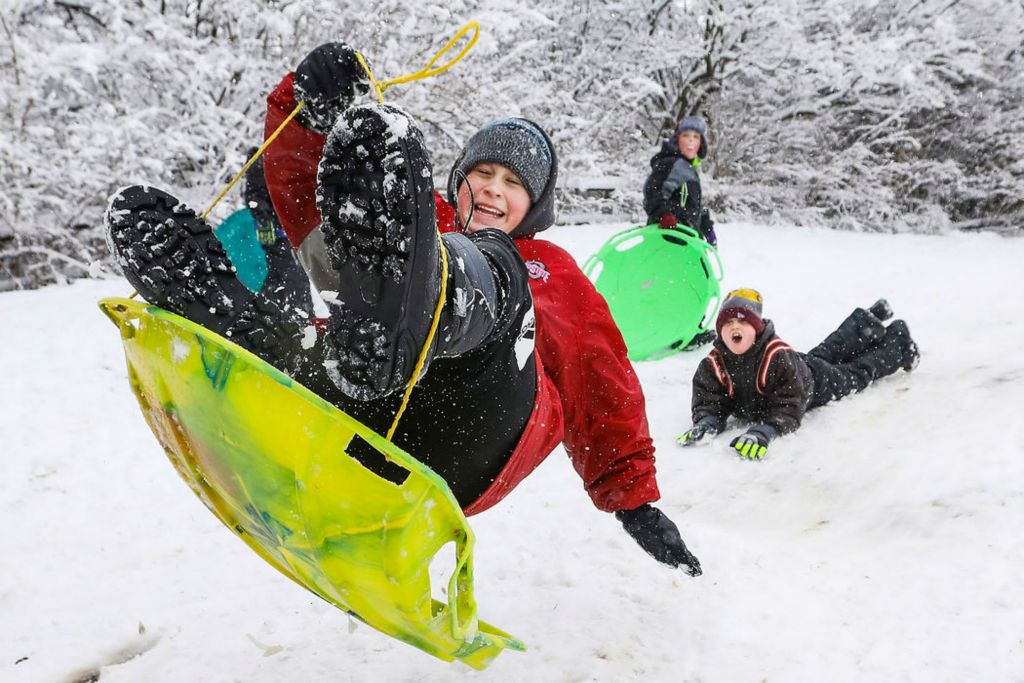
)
(377, 208)
(174, 260)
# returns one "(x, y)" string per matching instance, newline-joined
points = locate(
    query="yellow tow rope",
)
(379, 87)
(429, 70)
(426, 72)
(256, 155)
(421, 361)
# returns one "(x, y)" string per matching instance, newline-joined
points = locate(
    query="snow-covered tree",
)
(896, 115)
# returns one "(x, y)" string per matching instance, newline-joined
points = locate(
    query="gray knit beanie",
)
(515, 143)
(694, 123)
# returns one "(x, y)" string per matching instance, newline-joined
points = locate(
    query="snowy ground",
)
(881, 542)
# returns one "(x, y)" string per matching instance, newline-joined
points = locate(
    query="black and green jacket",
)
(673, 186)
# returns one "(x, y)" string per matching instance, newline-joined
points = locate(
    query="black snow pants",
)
(858, 352)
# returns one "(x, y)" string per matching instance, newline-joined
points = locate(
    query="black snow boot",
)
(860, 331)
(899, 333)
(881, 310)
(172, 258)
(896, 351)
(377, 250)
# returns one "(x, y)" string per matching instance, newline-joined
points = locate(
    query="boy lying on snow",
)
(753, 374)
(526, 354)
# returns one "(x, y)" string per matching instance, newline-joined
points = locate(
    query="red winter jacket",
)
(588, 396)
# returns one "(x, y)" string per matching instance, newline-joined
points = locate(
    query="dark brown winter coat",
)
(769, 384)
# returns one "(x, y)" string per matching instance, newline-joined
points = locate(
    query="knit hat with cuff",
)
(523, 147)
(515, 143)
(741, 304)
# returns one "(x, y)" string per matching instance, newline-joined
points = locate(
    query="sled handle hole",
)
(626, 245)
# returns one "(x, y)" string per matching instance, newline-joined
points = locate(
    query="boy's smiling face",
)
(689, 143)
(500, 199)
(738, 335)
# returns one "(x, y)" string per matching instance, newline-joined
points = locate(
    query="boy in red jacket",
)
(526, 354)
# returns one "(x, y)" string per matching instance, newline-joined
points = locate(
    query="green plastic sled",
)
(268, 458)
(662, 286)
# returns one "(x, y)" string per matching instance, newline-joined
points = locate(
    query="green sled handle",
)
(268, 458)
(662, 286)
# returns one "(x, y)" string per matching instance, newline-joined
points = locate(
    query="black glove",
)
(658, 535)
(327, 80)
(708, 426)
(753, 443)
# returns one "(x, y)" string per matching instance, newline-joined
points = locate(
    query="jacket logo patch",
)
(537, 271)
(525, 338)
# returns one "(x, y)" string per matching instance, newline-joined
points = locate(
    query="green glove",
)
(753, 443)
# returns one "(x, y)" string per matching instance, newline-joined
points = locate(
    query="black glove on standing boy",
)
(328, 79)
(659, 536)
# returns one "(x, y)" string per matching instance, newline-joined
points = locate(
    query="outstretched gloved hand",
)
(699, 432)
(753, 443)
(659, 536)
(328, 80)
(668, 221)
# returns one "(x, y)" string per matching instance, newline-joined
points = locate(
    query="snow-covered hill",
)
(879, 543)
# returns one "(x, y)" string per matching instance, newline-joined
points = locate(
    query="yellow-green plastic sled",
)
(267, 456)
